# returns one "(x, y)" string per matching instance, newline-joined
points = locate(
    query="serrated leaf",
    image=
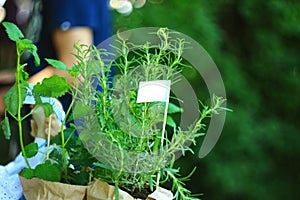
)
(6, 128)
(172, 108)
(57, 64)
(11, 98)
(31, 150)
(26, 44)
(13, 32)
(54, 86)
(80, 110)
(27, 173)
(48, 172)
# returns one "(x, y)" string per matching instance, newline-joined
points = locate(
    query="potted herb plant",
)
(50, 88)
(127, 141)
(129, 129)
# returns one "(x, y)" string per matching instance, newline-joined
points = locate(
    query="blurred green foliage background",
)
(256, 46)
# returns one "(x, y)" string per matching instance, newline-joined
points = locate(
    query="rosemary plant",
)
(126, 137)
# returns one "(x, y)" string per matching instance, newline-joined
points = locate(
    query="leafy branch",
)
(15, 97)
(125, 136)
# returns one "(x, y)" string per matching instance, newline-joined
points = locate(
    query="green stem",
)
(30, 113)
(19, 116)
(117, 191)
(64, 151)
(141, 141)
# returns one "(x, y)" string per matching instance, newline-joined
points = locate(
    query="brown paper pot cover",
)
(37, 189)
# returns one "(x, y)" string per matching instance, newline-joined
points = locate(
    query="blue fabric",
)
(91, 13)
(23, 198)
(67, 14)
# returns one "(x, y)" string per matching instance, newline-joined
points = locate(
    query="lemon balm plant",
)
(15, 97)
(52, 87)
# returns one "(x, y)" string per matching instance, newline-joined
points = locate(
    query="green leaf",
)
(36, 57)
(74, 71)
(80, 110)
(13, 32)
(54, 86)
(68, 134)
(27, 173)
(81, 178)
(6, 128)
(11, 98)
(26, 44)
(48, 171)
(38, 99)
(31, 150)
(57, 64)
(48, 109)
(56, 156)
(171, 122)
(172, 108)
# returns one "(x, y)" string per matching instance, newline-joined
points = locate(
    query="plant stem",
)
(19, 116)
(117, 191)
(48, 139)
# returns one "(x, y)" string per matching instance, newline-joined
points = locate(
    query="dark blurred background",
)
(256, 46)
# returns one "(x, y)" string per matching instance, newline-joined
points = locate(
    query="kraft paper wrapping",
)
(100, 190)
(37, 189)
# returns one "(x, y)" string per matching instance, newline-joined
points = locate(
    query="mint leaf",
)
(38, 99)
(11, 98)
(6, 128)
(74, 71)
(27, 173)
(36, 57)
(48, 109)
(31, 150)
(26, 44)
(57, 64)
(13, 32)
(48, 172)
(54, 86)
